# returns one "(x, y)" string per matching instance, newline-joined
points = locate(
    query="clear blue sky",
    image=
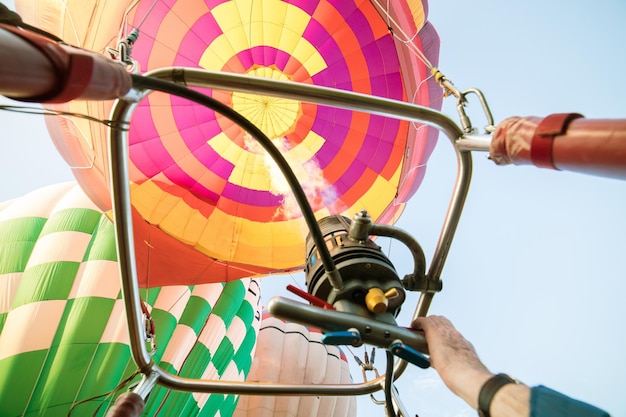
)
(535, 276)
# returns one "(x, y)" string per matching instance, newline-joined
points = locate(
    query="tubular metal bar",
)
(453, 215)
(315, 94)
(352, 101)
(147, 382)
(122, 214)
(471, 142)
(419, 260)
(311, 93)
(123, 222)
(371, 331)
(395, 396)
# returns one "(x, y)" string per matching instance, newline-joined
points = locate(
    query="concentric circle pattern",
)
(201, 180)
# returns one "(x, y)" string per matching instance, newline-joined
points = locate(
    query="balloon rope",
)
(147, 14)
(122, 35)
(390, 19)
(408, 40)
(446, 85)
(441, 79)
(106, 395)
(68, 15)
(293, 278)
(431, 103)
(42, 111)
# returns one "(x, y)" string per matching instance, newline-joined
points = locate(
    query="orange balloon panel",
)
(200, 179)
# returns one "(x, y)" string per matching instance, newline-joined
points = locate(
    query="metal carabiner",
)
(124, 51)
(466, 124)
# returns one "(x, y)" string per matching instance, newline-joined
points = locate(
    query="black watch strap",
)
(488, 391)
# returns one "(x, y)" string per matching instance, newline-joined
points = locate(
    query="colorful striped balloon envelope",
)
(200, 180)
(63, 334)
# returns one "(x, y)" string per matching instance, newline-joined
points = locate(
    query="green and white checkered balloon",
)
(63, 333)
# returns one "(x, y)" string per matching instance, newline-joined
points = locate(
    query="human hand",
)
(454, 358)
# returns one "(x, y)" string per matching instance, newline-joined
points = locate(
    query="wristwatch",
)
(488, 391)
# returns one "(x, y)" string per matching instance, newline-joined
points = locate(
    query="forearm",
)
(512, 400)
(464, 374)
(466, 383)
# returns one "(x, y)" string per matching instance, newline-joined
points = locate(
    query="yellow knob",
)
(376, 301)
(392, 293)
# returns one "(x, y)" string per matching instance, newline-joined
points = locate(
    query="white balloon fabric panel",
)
(289, 353)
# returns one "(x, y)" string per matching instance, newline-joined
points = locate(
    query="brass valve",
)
(377, 301)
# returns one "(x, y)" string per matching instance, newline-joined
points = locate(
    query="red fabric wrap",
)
(73, 71)
(78, 79)
(541, 144)
(57, 56)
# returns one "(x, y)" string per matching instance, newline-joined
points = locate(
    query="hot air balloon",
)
(63, 328)
(199, 179)
(291, 353)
